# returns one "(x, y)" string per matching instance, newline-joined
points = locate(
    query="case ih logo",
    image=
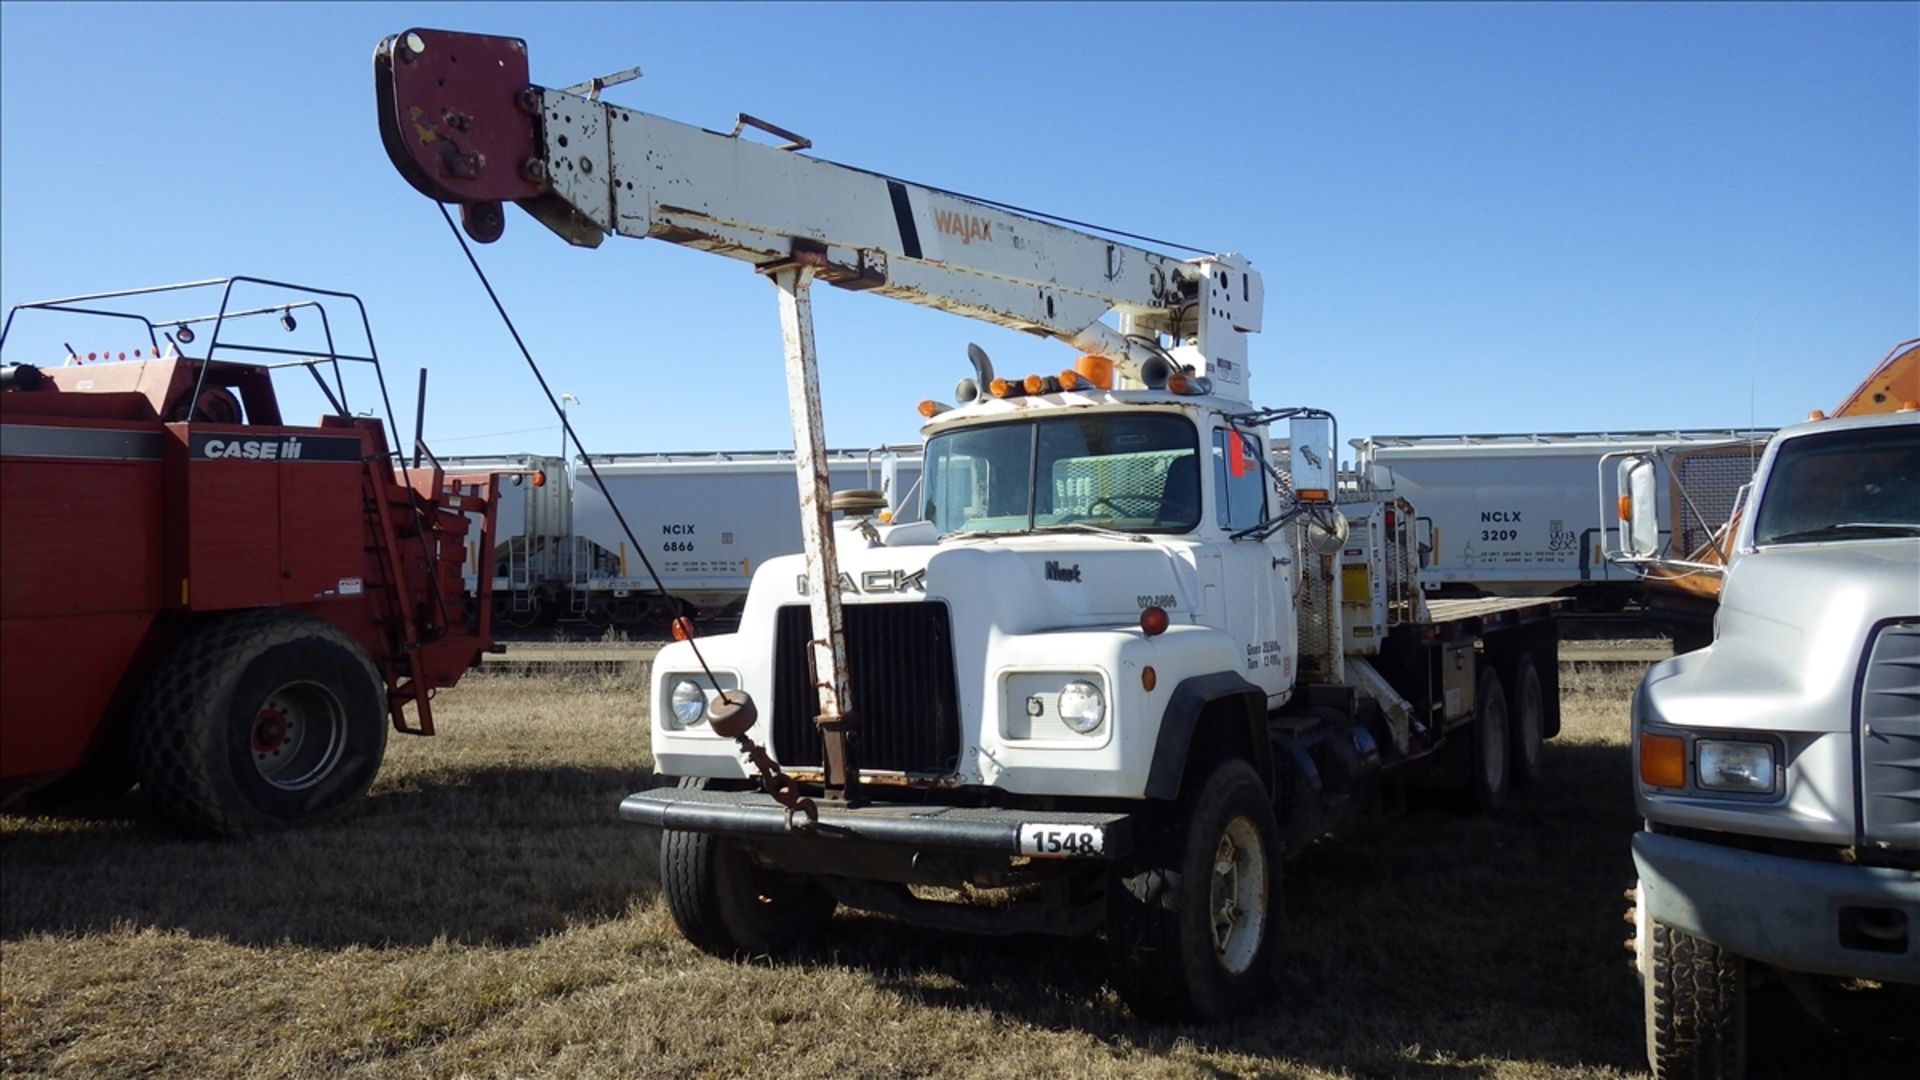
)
(273, 448)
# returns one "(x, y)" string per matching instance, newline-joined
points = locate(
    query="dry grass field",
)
(483, 914)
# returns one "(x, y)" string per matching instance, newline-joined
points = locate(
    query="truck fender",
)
(1238, 699)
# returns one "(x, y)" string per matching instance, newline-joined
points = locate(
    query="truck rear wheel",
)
(728, 905)
(1527, 716)
(1193, 935)
(260, 721)
(1696, 1007)
(1489, 750)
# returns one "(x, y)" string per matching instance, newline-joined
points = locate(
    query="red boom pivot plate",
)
(459, 115)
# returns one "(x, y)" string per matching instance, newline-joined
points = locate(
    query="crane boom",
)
(465, 125)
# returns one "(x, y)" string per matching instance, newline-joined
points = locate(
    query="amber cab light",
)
(1626, 508)
(682, 628)
(1097, 370)
(1148, 678)
(539, 478)
(1069, 380)
(1153, 621)
(1663, 761)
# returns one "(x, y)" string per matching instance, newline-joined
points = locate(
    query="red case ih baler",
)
(200, 597)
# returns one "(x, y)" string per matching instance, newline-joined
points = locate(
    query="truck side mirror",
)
(1639, 507)
(1311, 458)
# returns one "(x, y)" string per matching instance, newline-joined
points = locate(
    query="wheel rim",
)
(298, 734)
(1237, 903)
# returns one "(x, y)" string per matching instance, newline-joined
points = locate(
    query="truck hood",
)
(1026, 583)
(1790, 637)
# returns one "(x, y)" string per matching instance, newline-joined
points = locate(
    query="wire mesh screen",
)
(1124, 485)
(1705, 484)
(1317, 643)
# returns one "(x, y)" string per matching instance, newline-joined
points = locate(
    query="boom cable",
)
(586, 458)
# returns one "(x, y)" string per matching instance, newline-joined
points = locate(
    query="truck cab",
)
(1776, 767)
(1050, 524)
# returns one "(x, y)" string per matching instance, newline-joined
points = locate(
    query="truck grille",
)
(1890, 740)
(900, 667)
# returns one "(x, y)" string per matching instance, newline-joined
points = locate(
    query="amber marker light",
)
(1097, 370)
(1663, 761)
(1000, 387)
(1148, 679)
(1153, 621)
(1069, 381)
(1177, 383)
(928, 408)
(540, 478)
(1626, 508)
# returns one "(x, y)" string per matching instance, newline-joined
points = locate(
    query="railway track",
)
(635, 659)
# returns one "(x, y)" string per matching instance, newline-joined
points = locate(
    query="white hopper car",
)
(1519, 515)
(704, 520)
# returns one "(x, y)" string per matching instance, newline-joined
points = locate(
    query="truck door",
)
(1255, 595)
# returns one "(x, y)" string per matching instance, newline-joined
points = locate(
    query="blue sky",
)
(1469, 218)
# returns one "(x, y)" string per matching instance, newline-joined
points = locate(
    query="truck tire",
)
(1193, 934)
(1696, 1007)
(262, 720)
(727, 905)
(1489, 747)
(1527, 717)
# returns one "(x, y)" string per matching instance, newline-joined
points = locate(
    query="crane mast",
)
(464, 123)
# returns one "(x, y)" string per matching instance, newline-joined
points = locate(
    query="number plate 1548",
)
(1060, 841)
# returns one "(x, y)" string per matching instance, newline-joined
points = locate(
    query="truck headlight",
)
(688, 703)
(1082, 706)
(1734, 766)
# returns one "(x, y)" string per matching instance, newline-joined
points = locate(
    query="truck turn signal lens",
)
(1626, 508)
(1148, 678)
(1153, 621)
(682, 629)
(1663, 761)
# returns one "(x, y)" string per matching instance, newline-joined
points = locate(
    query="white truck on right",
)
(1778, 769)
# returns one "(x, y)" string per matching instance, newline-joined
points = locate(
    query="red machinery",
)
(198, 596)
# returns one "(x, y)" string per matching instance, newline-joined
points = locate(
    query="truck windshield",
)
(1843, 485)
(1137, 474)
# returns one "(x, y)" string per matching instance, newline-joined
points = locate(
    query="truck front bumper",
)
(1859, 922)
(974, 830)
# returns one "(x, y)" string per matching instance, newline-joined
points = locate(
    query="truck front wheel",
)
(1193, 932)
(1696, 1006)
(262, 720)
(728, 905)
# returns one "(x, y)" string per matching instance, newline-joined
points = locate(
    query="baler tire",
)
(1696, 1007)
(727, 905)
(1526, 720)
(1168, 960)
(205, 731)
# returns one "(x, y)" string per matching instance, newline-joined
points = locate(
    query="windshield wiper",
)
(1829, 532)
(1086, 527)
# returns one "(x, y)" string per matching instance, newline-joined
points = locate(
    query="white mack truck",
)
(1121, 669)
